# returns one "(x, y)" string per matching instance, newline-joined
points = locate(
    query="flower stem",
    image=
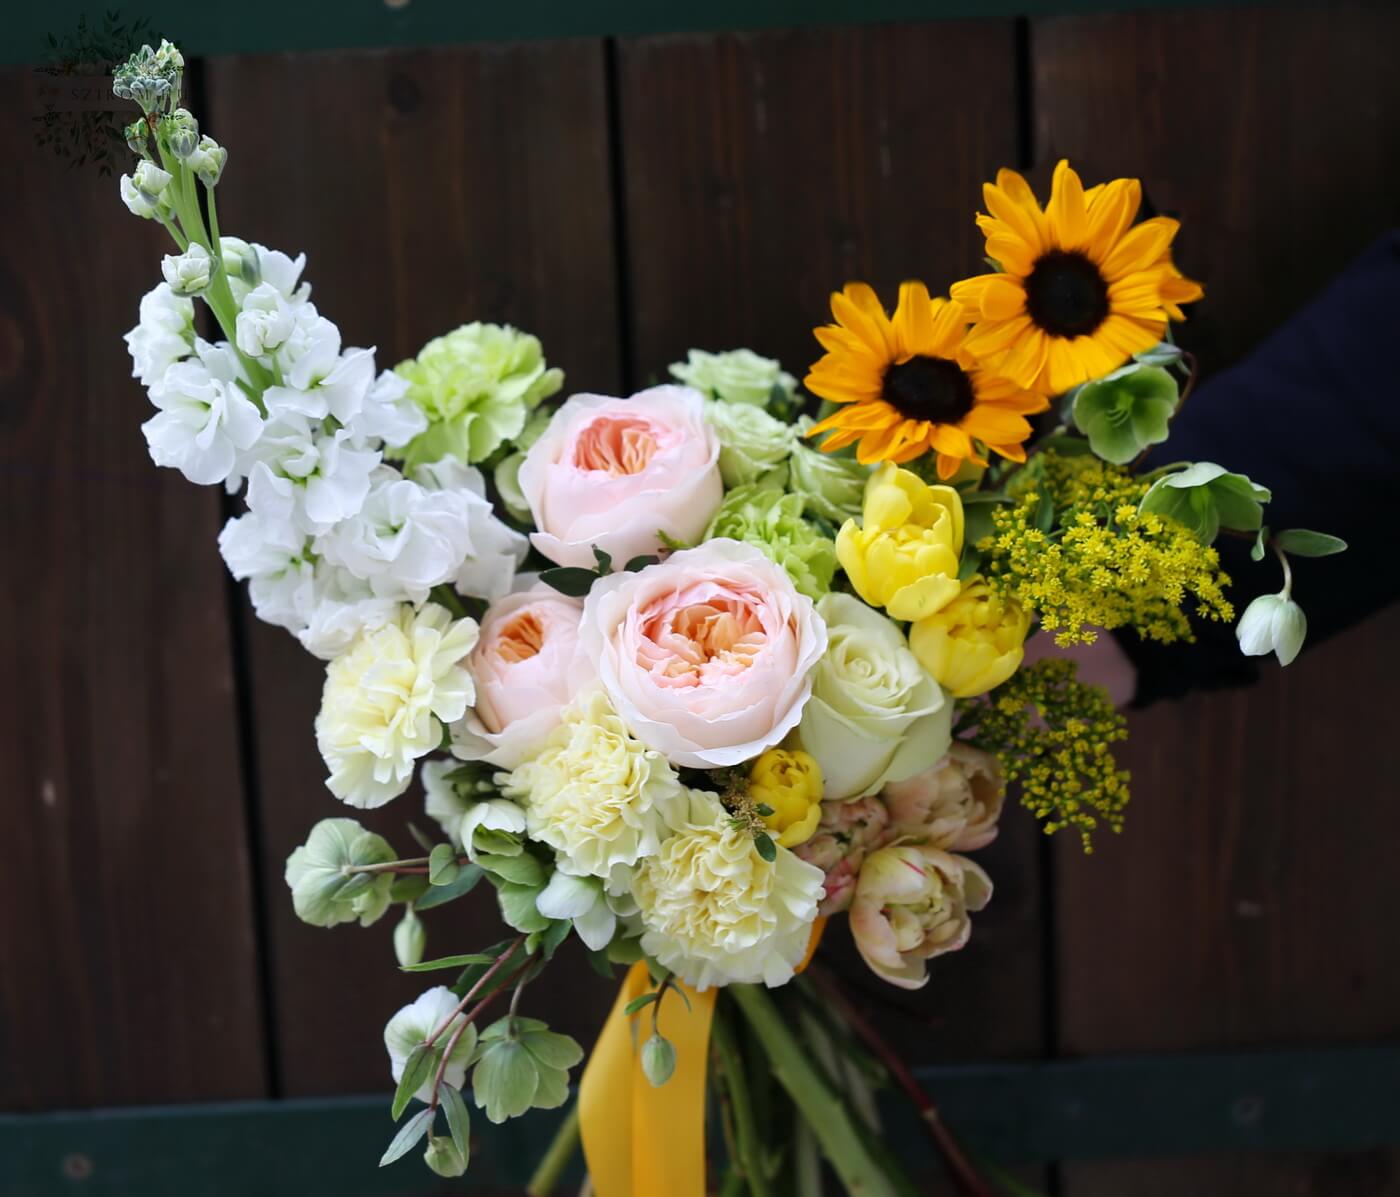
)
(475, 989)
(556, 1158)
(823, 1111)
(963, 1173)
(447, 597)
(1287, 591)
(747, 1142)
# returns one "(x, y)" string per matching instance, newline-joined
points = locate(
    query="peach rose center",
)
(615, 445)
(696, 643)
(520, 639)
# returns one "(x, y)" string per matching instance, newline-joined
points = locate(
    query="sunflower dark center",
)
(929, 388)
(1066, 295)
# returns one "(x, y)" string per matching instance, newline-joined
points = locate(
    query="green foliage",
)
(442, 865)
(1206, 497)
(409, 1134)
(458, 1120)
(466, 880)
(428, 966)
(328, 878)
(417, 1071)
(1300, 542)
(522, 1065)
(1053, 734)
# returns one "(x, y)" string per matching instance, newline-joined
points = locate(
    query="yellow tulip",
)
(903, 556)
(789, 781)
(974, 643)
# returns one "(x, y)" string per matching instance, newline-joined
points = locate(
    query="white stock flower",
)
(265, 320)
(308, 477)
(595, 794)
(188, 273)
(249, 266)
(343, 608)
(318, 380)
(144, 193)
(495, 550)
(387, 699)
(164, 334)
(275, 560)
(875, 714)
(388, 414)
(715, 912)
(414, 1023)
(204, 419)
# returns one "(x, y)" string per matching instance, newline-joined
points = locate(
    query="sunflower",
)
(907, 385)
(1080, 289)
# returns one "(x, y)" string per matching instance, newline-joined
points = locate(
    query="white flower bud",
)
(143, 193)
(658, 1060)
(188, 273)
(207, 161)
(181, 132)
(409, 939)
(1272, 623)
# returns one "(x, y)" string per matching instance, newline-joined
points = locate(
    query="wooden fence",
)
(626, 199)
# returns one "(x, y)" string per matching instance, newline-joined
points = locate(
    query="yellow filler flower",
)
(907, 385)
(1081, 289)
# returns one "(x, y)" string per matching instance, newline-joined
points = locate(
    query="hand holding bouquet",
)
(684, 675)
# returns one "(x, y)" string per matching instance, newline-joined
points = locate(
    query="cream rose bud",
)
(875, 714)
(614, 473)
(527, 668)
(912, 903)
(707, 656)
(953, 805)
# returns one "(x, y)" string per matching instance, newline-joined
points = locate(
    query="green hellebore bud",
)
(443, 1157)
(1272, 623)
(658, 1059)
(409, 939)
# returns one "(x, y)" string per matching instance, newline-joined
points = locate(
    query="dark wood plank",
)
(129, 969)
(428, 189)
(1243, 904)
(762, 171)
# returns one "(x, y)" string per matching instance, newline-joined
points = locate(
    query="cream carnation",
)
(527, 667)
(387, 700)
(616, 472)
(716, 913)
(707, 656)
(595, 794)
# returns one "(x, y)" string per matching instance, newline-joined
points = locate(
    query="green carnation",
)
(832, 483)
(739, 376)
(752, 443)
(476, 385)
(323, 892)
(772, 521)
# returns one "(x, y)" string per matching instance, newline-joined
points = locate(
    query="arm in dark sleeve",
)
(1313, 414)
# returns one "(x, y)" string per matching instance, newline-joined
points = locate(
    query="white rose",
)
(875, 714)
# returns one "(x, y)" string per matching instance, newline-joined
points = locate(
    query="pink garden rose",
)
(707, 656)
(527, 667)
(953, 805)
(615, 472)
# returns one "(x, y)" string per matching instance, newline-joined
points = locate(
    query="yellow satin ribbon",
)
(641, 1141)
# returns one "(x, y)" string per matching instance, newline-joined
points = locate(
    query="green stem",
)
(1287, 591)
(447, 597)
(750, 1147)
(556, 1158)
(733, 1184)
(824, 1112)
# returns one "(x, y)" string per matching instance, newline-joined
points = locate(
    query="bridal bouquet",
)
(684, 675)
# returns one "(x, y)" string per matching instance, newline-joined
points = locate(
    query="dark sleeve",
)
(1313, 414)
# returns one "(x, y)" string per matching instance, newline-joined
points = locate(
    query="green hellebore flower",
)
(768, 519)
(1272, 623)
(323, 893)
(1207, 497)
(522, 1065)
(476, 385)
(1126, 411)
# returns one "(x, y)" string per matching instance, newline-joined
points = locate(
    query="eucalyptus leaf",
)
(766, 848)
(570, 580)
(1302, 542)
(638, 563)
(407, 1138)
(467, 877)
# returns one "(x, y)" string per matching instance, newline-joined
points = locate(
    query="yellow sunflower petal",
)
(1020, 219)
(1066, 213)
(1011, 452)
(992, 339)
(913, 320)
(1140, 247)
(950, 439)
(858, 308)
(1110, 213)
(1002, 299)
(992, 424)
(949, 327)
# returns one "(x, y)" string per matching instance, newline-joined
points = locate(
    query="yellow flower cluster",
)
(1052, 733)
(1074, 549)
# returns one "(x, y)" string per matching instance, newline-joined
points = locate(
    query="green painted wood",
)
(1338, 1100)
(254, 26)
